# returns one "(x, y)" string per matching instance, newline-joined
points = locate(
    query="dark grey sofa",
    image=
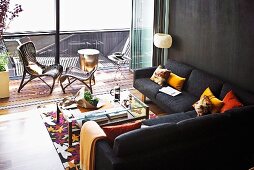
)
(196, 82)
(181, 140)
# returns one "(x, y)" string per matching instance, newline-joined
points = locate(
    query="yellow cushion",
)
(176, 81)
(217, 104)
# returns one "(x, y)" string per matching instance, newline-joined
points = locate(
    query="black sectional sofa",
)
(181, 140)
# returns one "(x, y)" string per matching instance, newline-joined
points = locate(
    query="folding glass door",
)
(142, 33)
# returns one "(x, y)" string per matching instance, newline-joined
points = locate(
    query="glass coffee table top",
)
(128, 109)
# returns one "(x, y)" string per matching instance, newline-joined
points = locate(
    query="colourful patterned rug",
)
(59, 135)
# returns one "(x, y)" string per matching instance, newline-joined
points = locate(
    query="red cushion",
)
(230, 102)
(113, 131)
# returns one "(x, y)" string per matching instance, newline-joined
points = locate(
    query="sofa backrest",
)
(198, 81)
(213, 133)
(143, 139)
(178, 68)
(245, 97)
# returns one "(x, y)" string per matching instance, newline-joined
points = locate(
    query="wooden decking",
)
(36, 92)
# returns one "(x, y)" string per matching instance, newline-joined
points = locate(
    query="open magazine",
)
(170, 91)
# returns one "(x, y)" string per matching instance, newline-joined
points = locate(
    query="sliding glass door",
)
(142, 33)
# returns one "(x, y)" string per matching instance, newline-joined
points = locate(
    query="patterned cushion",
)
(203, 106)
(160, 75)
(216, 103)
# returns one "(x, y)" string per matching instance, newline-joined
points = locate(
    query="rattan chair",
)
(73, 74)
(32, 68)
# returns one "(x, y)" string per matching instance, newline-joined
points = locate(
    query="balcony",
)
(106, 42)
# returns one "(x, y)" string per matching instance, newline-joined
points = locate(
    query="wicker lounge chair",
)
(27, 54)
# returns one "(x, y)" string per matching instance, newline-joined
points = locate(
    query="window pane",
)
(95, 14)
(37, 15)
(142, 33)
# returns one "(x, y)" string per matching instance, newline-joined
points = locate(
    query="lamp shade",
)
(162, 40)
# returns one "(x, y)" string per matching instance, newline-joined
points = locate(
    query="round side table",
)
(88, 59)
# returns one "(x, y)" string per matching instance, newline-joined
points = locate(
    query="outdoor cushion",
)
(180, 103)
(199, 81)
(172, 118)
(147, 86)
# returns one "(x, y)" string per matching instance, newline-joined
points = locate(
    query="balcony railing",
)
(106, 42)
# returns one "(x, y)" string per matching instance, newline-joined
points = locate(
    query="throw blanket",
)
(90, 133)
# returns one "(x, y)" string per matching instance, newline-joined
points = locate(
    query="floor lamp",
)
(162, 41)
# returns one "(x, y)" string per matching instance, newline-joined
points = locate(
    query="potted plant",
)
(4, 76)
(6, 16)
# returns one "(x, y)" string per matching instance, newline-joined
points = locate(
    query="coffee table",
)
(111, 113)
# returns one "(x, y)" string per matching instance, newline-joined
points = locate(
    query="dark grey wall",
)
(216, 36)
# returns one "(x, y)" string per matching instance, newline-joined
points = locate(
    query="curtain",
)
(161, 25)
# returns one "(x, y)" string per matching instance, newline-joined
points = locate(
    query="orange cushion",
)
(230, 102)
(176, 81)
(113, 131)
(217, 103)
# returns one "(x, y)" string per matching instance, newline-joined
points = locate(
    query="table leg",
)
(57, 114)
(70, 133)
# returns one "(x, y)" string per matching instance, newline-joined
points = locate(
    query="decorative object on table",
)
(85, 99)
(116, 92)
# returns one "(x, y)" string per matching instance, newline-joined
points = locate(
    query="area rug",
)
(59, 135)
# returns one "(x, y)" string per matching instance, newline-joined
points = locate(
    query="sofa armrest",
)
(105, 159)
(144, 72)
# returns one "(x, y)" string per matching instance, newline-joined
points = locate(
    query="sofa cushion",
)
(160, 75)
(180, 103)
(247, 98)
(216, 103)
(147, 87)
(230, 102)
(203, 106)
(178, 68)
(172, 118)
(115, 130)
(199, 81)
(176, 81)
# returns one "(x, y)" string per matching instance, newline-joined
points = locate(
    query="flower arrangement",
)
(6, 15)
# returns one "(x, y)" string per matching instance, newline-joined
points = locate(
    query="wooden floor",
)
(25, 143)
